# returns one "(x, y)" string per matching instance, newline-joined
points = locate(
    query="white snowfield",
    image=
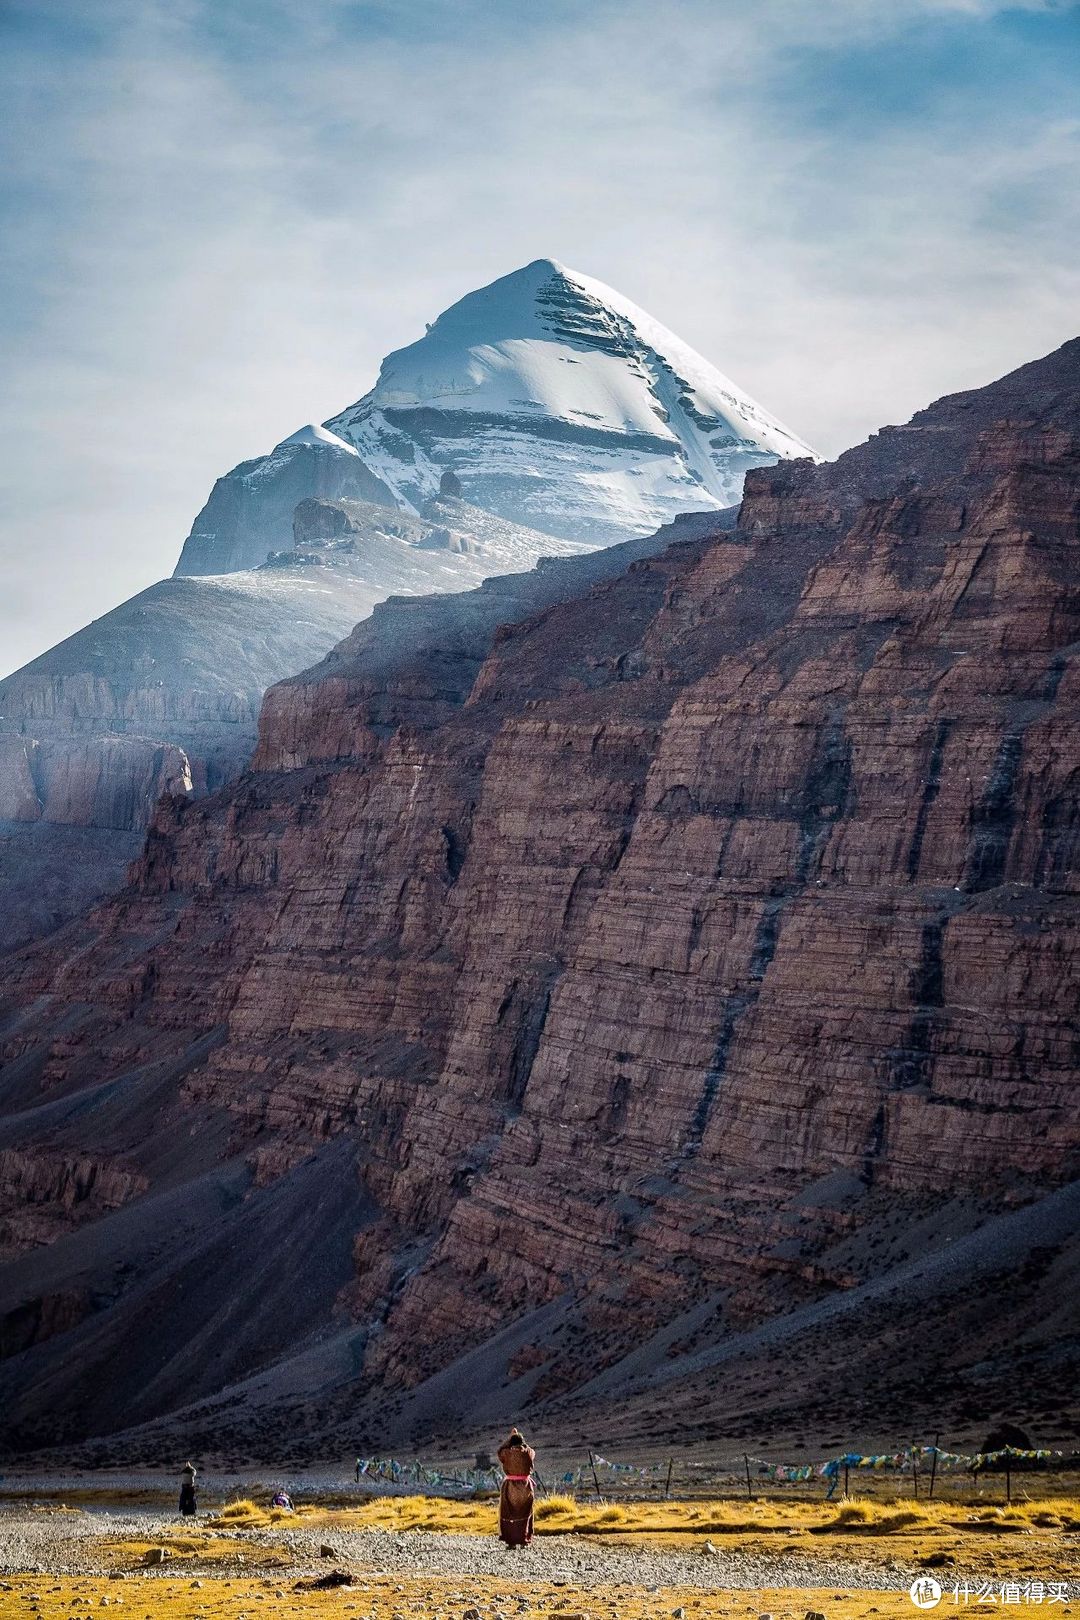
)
(563, 406)
(313, 433)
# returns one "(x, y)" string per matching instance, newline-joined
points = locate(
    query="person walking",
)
(517, 1496)
(188, 1504)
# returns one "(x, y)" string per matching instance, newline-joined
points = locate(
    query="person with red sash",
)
(516, 1499)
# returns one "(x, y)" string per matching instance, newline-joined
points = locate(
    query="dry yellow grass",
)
(870, 1518)
(1038, 1538)
(201, 1547)
(563, 1515)
(548, 1507)
(242, 1509)
(248, 1515)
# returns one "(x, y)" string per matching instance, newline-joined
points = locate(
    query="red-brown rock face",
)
(612, 940)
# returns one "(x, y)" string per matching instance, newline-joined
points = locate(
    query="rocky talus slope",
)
(635, 950)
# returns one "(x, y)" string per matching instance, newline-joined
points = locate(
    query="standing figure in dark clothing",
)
(188, 1505)
(516, 1499)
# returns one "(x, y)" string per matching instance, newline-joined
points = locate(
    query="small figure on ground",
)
(517, 1496)
(282, 1499)
(188, 1504)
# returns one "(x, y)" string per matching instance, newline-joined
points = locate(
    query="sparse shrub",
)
(243, 1509)
(852, 1513)
(903, 1519)
(244, 1514)
(609, 1515)
(552, 1507)
(876, 1521)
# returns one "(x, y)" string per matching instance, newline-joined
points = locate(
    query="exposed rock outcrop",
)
(159, 696)
(250, 511)
(690, 939)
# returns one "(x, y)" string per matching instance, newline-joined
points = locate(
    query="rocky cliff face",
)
(159, 696)
(671, 933)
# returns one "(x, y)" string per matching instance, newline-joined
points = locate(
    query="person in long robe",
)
(517, 1496)
(188, 1504)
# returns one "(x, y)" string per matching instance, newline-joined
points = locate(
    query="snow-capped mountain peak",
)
(314, 433)
(561, 404)
(558, 405)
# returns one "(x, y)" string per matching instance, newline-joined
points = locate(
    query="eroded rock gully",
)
(650, 948)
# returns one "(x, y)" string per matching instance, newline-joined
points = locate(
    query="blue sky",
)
(216, 216)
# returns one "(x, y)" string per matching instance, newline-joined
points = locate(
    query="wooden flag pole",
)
(596, 1482)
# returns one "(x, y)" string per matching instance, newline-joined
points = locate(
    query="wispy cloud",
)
(220, 214)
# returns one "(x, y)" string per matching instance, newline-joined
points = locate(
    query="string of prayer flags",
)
(388, 1470)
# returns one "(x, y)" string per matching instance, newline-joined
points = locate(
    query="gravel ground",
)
(70, 1544)
(585, 1562)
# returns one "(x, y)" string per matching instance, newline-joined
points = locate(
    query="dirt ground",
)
(385, 1599)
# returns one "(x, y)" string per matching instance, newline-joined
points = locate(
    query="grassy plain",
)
(1034, 1540)
(1028, 1538)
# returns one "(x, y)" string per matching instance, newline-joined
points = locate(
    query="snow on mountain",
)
(313, 433)
(557, 404)
(561, 405)
(452, 547)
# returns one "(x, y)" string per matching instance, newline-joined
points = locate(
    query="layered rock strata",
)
(669, 941)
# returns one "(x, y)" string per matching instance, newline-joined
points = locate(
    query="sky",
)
(217, 216)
